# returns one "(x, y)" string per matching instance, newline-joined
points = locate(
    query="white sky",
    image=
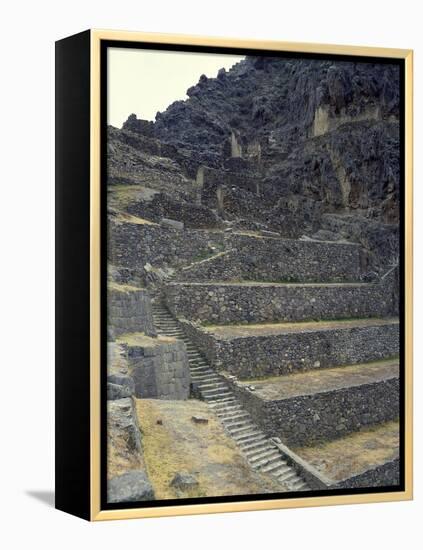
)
(146, 81)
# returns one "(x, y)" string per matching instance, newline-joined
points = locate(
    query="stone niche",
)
(158, 366)
(129, 310)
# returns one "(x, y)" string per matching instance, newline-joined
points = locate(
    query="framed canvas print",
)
(234, 278)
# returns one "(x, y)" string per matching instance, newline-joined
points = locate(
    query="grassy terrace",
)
(140, 339)
(177, 444)
(269, 329)
(266, 284)
(122, 287)
(323, 380)
(354, 453)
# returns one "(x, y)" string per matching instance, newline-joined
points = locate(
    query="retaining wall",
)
(310, 419)
(128, 310)
(255, 356)
(159, 368)
(274, 259)
(254, 303)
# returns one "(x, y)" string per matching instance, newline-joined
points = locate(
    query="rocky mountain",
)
(304, 148)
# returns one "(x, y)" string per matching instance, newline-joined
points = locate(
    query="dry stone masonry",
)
(260, 350)
(253, 251)
(128, 310)
(249, 302)
(306, 409)
(158, 367)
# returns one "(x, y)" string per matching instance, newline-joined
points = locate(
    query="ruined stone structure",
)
(254, 227)
(129, 310)
(158, 367)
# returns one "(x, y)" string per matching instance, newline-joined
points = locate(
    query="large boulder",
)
(132, 486)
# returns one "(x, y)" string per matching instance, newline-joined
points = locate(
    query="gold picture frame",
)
(94, 511)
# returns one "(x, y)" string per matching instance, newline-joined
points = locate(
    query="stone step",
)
(242, 428)
(276, 302)
(305, 408)
(203, 372)
(220, 396)
(217, 396)
(254, 442)
(222, 389)
(225, 410)
(212, 386)
(249, 351)
(262, 455)
(204, 378)
(164, 320)
(228, 419)
(277, 468)
(199, 367)
(248, 436)
(200, 364)
(193, 375)
(201, 376)
(220, 399)
(205, 385)
(225, 415)
(256, 447)
(271, 459)
(287, 476)
(300, 485)
(229, 410)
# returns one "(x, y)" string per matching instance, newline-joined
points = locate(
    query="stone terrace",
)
(224, 303)
(365, 458)
(312, 343)
(258, 258)
(249, 351)
(201, 255)
(315, 406)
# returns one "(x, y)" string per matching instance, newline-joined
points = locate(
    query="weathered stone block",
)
(154, 369)
(172, 223)
(128, 310)
(133, 486)
(118, 391)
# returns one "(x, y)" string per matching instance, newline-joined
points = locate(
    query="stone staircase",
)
(261, 453)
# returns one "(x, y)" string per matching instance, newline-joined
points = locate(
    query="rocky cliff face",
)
(300, 147)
